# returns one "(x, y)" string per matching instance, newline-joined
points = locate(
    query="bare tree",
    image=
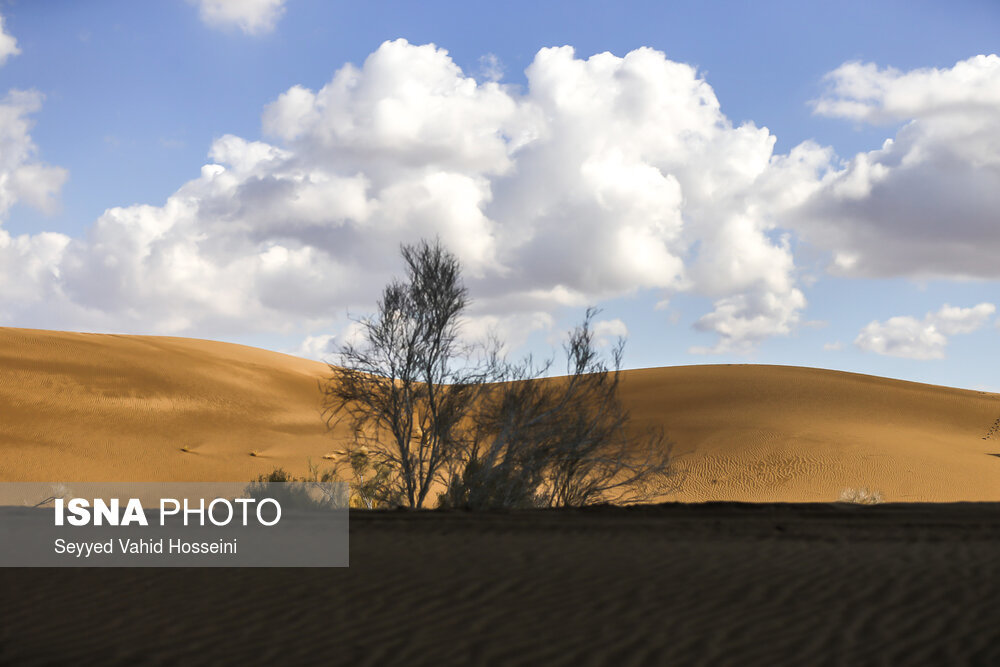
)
(404, 388)
(492, 433)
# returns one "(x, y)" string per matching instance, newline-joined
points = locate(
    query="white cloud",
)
(911, 338)
(29, 264)
(8, 45)
(605, 176)
(861, 91)
(602, 177)
(511, 330)
(253, 17)
(951, 320)
(29, 270)
(490, 67)
(924, 204)
(605, 334)
(22, 178)
(607, 331)
(833, 347)
(321, 347)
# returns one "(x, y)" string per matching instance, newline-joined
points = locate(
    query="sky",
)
(811, 184)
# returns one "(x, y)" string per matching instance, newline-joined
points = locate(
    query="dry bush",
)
(373, 483)
(558, 442)
(860, 496)
(316, 491)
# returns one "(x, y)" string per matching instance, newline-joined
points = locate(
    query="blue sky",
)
(643, 181)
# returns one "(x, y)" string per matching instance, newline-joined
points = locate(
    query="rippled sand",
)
(714, 584)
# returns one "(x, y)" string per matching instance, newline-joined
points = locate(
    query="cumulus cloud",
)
(924, 204)
(321, 347)
(8, 44)
(29, 264)
(603, 177)
(490, 67)
(911, 338)
(29, 270)
(606, 332)
(22, 177)
(253, 17)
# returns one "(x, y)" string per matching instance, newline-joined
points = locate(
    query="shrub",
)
(861, 496)
(314, 492)
(373, 482)
(558, 442)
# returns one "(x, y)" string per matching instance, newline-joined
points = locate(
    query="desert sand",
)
(93, 407)
(763, 582)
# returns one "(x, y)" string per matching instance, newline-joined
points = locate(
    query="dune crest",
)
(95, 407)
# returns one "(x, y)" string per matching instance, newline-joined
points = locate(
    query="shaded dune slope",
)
(77, 407)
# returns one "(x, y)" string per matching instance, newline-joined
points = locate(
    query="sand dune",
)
(91, 407)
(788, 434)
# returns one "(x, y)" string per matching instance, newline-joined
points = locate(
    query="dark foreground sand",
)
(714, 584)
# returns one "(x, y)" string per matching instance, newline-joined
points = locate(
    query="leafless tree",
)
(490, 432)
(405, 389)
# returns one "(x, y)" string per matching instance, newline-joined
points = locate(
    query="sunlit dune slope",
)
(100, 407)
(93, 407)
(783, 433)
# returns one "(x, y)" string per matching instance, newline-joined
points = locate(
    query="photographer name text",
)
(139, 547)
